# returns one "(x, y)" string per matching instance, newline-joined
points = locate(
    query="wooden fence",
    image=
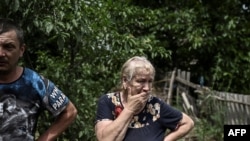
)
(235, 107)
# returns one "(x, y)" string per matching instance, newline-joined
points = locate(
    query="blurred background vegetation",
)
(81, 44)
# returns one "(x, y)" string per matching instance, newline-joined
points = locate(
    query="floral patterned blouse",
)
(149, 125)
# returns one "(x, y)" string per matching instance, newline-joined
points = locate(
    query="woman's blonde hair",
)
(131, 67)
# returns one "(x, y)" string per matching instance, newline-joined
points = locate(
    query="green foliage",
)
(209, 127)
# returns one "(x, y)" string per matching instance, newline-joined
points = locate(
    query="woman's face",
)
(141, 82)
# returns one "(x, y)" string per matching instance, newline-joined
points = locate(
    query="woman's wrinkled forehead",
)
(143, 72)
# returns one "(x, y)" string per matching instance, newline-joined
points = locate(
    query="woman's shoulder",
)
(109, 96)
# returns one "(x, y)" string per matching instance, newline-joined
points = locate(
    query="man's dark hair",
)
(8, 25)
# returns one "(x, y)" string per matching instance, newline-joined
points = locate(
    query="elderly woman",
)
(133, 114)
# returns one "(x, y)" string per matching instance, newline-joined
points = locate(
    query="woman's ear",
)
(124, 79)
(124, 82)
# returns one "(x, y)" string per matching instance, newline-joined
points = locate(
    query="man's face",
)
(10, 51)
(141, 82)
